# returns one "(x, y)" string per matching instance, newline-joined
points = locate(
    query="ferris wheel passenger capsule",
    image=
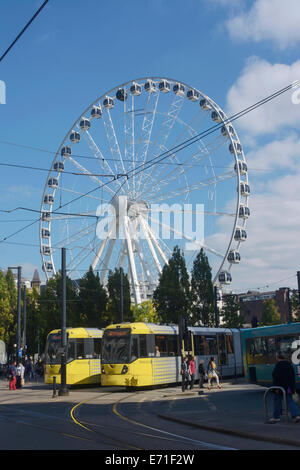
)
(121, 94)
(45, 233)
(225, 277)
(237, 146)
(46, 250)
(75, 137)
(47, 267)
(108, 102)
(178, 89)
(96, 112)
(149, 86)
(217, 116)
(242, 167)
(193, 95)
(164, 86)
(227, 130)
(240, 235)
(135, 89)
(48, 199)
(59, 166)
(234, 257)
(67, 151)
(244, 211)
(52, 183)
(85, 124)
(204, 104)
(46, 216)
(244, 189)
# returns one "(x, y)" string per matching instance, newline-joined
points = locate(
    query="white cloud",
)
(277, 154)
(258, 80)
(274, 20)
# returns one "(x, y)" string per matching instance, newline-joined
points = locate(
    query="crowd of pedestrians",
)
(25, 370)
(188, 373)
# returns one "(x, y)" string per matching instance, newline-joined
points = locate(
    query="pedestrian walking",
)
(212, 373)
(184, 373)
(12, 376)
(192, 371)
(201, 371)
(20, 375)
(284, 376)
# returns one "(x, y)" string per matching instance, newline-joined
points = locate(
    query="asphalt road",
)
(113, 420)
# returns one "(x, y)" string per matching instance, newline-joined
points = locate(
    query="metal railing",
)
(284, 402)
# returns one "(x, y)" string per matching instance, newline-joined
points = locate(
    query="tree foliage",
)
(270, 314)
(202, 291)
(92, 301)
(230, 315)
(172, 296)
(114, 295)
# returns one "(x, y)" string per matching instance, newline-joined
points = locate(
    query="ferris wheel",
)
(141, 170)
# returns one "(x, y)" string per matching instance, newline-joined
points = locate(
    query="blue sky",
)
(236, 52)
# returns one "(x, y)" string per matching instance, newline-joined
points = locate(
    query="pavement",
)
(237, 409)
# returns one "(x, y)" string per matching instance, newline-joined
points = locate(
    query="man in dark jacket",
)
(284, 376)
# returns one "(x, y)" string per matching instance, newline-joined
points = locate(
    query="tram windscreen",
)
(116, 347)
(53, 349)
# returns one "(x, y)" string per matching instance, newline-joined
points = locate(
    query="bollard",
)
(54, 387)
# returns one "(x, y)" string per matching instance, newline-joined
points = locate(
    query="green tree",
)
(32, 321)
(230, 315)
(202, 291)
(50, 306)
(295, 306)
(270, 314)
(92, 300)
(114, 290)
(171, 297)
(145, 312)
(6, 315)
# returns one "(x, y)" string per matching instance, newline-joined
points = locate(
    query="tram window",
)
(134, 348)
(143, 345)
(172, 345)
(284, 345)
(257, 350)
(71, 350)
(229, 344)
(161, 342)
(79, 349)
(212, 345)
(97, 348)
(88, 348)
(222, 349)
(272, 348)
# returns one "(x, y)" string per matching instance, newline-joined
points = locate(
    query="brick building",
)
(252, 302)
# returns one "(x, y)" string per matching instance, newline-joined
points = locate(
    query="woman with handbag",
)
(20, 375)
(212, 373)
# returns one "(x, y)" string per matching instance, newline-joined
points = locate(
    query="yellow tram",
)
(144, 354)
(83, 356)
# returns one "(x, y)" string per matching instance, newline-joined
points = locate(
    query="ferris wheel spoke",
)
(80, 167)
(132, 266)
(67, 190)
(78, 258)
(97, 153)
(147, 127)
(74, 236)
(110, 233)
(114, 145)
(193, 187)
(150, 245)
(167, 126)
(129, 133)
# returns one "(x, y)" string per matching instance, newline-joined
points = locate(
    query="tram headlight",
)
(124, 370)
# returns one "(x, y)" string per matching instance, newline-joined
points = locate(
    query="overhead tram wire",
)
(181, 146)
(23, 30)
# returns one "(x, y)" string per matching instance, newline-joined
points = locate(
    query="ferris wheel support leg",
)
(155, 241)
(151, 248)
(102, 245)
(135, 284)
(111, 244)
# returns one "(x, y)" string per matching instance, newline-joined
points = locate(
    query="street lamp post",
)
(19, 268)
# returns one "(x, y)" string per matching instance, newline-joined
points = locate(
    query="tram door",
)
(222, 351)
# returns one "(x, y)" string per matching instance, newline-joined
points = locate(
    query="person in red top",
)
(192, 371)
